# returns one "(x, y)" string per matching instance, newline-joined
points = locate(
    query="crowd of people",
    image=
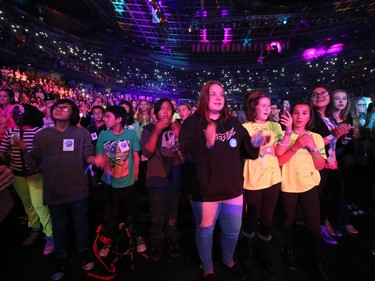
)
(29, 38)
(233, 169)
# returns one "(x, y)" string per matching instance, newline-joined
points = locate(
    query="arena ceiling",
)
(196, 34)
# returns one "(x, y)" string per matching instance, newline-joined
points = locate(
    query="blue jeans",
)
(229, 215)
(164, 202)
(60, 217)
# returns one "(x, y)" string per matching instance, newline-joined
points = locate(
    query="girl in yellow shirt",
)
(301, 163)
(262, 177)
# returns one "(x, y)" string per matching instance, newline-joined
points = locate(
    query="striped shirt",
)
(8, 146)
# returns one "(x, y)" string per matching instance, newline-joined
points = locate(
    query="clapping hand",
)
(259, 139)
(305, 141)
(210, 134)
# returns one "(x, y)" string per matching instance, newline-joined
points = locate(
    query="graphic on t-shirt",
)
(225, 136)
(168, 144)
(117, 153)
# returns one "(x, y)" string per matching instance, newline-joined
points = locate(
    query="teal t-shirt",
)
(118, 150)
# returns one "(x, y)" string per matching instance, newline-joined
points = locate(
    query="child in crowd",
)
(301, 163)
(160, 145)
(28, 182)
(6, 105)
(64, 152)
(120, 147)
(130, 123)
(262, 177)
(96, 127)
(183, 111)
(320, 99)
(212, 146)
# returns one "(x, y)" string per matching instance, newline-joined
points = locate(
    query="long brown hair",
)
(310, 124)
(343, 113)
(204, 99)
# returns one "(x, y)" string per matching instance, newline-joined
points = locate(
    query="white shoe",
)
(49, 246)
(141, 245)
(104, 251)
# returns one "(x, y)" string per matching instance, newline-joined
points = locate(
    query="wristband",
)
(288, 133)
(316, 149)
(209, 145)
(330, 138)
(282, 144)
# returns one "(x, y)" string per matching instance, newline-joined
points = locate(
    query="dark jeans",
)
(61, 215)
(164, 202)
(332, 197)
(309, 202)
(117, 199)
(261, 205)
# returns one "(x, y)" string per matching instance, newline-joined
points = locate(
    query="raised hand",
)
(287, 120)
(258, 139)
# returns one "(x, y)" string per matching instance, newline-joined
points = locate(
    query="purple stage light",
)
(335, 49)
(313, 53)
(227, 35)
(204, 36)
(224, 13)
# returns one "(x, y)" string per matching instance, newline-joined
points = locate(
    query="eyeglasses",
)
(62, 108)
(319, 95)
(214, 94)
(361, 104)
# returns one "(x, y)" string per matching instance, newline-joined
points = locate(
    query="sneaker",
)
(210, 277)
(356, 209)
(174, 250)
(351, 229)
(289, 260)
(33, 235)
(237, 272)
(104, 251)
(156, 253)
(49, 247)
(86, 260)
(141, 245)
(333, 231)
(327, 238)
(59, 270)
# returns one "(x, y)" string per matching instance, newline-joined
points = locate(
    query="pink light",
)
(204, 36)
(227, 35)
(335, 49)
(313, 53)
(276, 45)
(224, 13)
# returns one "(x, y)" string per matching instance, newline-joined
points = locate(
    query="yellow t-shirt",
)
(299, 173)
(264, 171)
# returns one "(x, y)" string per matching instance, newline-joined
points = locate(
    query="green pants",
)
(30, 190)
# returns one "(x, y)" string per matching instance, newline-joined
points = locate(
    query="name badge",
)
(233, 142)
(94, 136)
(123, 146)
(68, 145)
(14, 137)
